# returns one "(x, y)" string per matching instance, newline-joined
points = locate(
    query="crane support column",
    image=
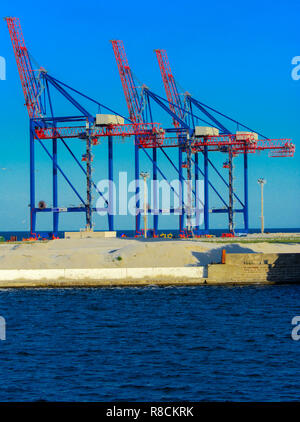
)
(137, 187)
(32, 180)
(88, 180)
(230, 207)
(197, 202)
(181, 201)
(54, 191)
(246, 216)
(189, 181)
(155, 196)
(111, 187)
(206, 192)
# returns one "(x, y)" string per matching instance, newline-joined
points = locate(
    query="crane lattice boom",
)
(170, 85)
(30, 84)
(132, 96)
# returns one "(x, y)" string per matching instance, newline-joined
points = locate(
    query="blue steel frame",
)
(186, 118)
(184, 131)
(189, 128)
(51, 120)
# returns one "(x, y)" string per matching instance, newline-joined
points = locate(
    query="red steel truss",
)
(28, 80)
(152, 131)
(169, 84)
(131, 94)
(276, 147)
(151, 135)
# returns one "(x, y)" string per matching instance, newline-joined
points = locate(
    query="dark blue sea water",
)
(150, 344)
(130, 233)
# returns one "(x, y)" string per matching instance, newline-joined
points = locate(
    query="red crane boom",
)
(170, 85)
(30, 84)
(133, 99)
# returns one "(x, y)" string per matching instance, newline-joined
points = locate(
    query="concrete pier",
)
(237, 268)
(101, 277)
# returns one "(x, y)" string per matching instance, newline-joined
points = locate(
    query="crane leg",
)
(110, 180)
(137, 189)
(54, 191)
(32, 181)
(155, 216)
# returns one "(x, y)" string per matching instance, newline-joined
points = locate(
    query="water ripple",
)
(208, 343)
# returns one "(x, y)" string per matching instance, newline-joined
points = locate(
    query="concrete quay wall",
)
(256, 268)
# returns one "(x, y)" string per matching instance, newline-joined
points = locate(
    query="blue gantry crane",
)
(38, 88)
(48, 129)
(192, 139)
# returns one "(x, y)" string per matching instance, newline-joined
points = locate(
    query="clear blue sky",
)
(233, 55)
